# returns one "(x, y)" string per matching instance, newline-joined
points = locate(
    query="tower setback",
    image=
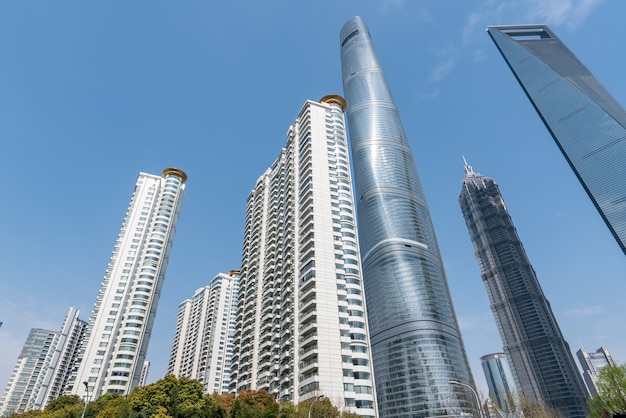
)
(542, 364)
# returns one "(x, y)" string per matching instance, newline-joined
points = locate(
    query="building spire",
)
(468, 168)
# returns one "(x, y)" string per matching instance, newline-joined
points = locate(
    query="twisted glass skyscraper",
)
(542, 363)
(416, 344)
(586, 122)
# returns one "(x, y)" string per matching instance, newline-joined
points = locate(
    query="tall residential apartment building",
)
(592, 363)
(416, 342)
(586, 122)
(203, 341)
(301, 321)
(502, 391)
(43, 367)
(540, 358)
(114, 349)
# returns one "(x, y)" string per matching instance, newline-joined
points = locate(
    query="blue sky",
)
(92, 93)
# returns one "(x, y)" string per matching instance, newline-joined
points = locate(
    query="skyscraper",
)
(500, 381)
(203, 340)
(301, 320)
(592, 363)
(540, 358)
(43, 366)
(20, 391)
(416, 343)
(586, 122)
(63, 355)
(114, 350)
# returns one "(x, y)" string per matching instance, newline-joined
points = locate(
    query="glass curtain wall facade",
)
(416, 343)
(203, 340)
(301, 319)
(43, 367)
(25, 380)
(500, 381)
(113, 352)
(540, 358)
(586, 122)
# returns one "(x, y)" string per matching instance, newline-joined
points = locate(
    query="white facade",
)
(114, 350)
(203, 340)
(43, 367)
(63, 356)
(301, 321)
(144, 373)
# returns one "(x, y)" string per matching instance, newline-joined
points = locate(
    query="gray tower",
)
(543, 366)
(588, 125)
(592, 363)
(416, 344)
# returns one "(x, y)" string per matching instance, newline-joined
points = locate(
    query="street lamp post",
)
(86, 399)
(314, 400)
(480, 409)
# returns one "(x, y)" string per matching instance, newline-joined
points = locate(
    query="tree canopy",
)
(173, 397)
(611, 397)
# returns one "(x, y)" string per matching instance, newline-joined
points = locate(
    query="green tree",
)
(70, 411)
(322, 408)
(114, 408)
(94, 408)
(175, 398)
(611, 387)
(63, 402)
(29, 414)
(288, 410)
(225, 400)
(255, 404)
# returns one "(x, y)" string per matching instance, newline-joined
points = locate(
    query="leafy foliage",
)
(611, 387)
(253, 404)
(173, 397)
(224, 400)
(63, 402)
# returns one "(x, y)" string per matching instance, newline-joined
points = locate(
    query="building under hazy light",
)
(114, 349)
(416, 342)
(542, 364)
(301, 321)
(203, 341)
(586, 122)
(44, 366)
(592, 363)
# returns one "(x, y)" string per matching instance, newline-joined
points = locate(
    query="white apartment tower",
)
(203, 341)
(301, 320)
(114, 350)
(43, 367)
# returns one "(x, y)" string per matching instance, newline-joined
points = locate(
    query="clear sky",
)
(92, 93)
